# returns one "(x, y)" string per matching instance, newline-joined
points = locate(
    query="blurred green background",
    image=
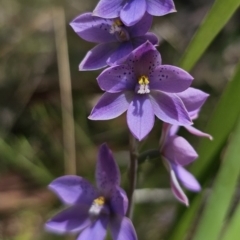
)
(203, 37)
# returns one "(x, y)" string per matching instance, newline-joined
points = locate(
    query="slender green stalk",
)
(132, 174)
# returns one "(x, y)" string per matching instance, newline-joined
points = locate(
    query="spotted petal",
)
(117, 79)
(122, 229)
(73, 219)
(93, 29)
(111, 105)
(170, 79)
(146, 58)
(140, 116)
(107, 171)
(73, 189)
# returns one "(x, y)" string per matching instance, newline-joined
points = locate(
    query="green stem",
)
(132, 174)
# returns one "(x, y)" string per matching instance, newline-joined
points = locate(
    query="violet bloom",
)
(131, 11)
(177, 153)
(114, 39)
(92, 210)
(144, 88)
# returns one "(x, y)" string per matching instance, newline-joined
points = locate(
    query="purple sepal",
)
(122, 229)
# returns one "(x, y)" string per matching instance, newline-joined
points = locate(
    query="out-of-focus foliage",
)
(31, 139)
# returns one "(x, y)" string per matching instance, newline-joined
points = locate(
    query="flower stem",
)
(132, 173)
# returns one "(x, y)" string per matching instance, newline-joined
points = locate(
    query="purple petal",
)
(140, 116)
(73, 219)
(169, 108)
(171, 79)
(107, 171)
(193, 98)
(117, 79)
(108, 8)
(122, 229)
(123, 50)
(73, 189)
(141, 52)
(179, 151)
(160, 7)
(111, 105)
(133, 11)
(187, 179)
(93, 29)
(173, 130)
(147, 58)
(177, 190)
(98, 56)
(97, 230)
(140, 28)
(138, 41)
(119, 201)
(165, 134)
(197, 132)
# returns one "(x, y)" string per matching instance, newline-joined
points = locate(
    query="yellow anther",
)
(143, 80)
(118, 22)
(99, 201)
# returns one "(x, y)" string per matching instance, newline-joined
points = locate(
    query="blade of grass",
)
(214, 21)
(233, 231)
(223, 190)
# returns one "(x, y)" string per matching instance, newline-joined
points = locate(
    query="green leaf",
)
(222, 193)
(215, 20)
(180, 230)
(233, 230)
(220, 125)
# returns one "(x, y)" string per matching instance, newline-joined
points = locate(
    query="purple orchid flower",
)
(92, 210)
(131, 11)
(143, 87)
(114, 39)
(177, 153)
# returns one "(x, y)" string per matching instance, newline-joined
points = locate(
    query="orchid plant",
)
(135, 81)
